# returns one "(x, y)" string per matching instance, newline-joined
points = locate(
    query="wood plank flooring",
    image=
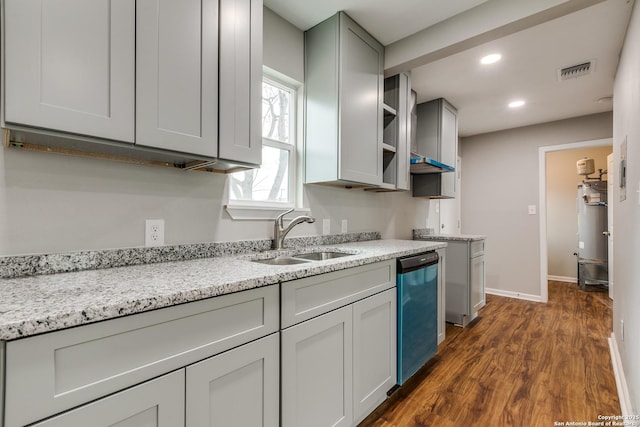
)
(519, 364)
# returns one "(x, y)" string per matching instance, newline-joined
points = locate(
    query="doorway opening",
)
(564, 226)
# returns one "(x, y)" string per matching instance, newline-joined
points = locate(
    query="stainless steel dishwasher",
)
(417, 312)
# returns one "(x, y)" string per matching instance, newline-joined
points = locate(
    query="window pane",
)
(276, 107)
(269, 183)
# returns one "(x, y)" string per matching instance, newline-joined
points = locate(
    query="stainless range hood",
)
(421, 165)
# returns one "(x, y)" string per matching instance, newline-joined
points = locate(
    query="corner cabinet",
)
(168, 77)
(343, 104)
(437, 138)
(338, 345)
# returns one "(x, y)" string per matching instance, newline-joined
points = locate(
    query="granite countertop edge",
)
(420, 234)
(33, 305)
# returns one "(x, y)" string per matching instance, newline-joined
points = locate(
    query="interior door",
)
(610, 199)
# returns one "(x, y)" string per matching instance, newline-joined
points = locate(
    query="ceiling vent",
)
(575, 71)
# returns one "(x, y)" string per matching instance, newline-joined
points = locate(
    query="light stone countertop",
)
(37, 304)
(422, 234)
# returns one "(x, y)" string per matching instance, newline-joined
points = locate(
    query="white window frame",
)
(267, 210)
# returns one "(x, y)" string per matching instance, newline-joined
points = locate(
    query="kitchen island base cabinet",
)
(156, 403)
(338, 367)
(239, 388)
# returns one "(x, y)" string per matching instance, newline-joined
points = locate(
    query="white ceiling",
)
(528, 69)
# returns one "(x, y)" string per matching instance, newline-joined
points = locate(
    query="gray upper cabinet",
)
(178, 79)
(69, 66)
(344, 92)
(177, 75)
(397, 133)
(240, 108)
(437, 138)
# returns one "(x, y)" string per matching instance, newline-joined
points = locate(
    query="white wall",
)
(500, 181)
(562, 224)
(626, 236)
(52, 203)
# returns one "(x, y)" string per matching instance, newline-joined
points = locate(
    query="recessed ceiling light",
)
(516, 104)
(490, 59)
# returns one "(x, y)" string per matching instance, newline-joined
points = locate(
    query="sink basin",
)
(281, 260)
(321, 256)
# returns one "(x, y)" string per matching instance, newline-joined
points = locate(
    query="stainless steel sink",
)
(321, 256)
(281, 260)
(301, 258)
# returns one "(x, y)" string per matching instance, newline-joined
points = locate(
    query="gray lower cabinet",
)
(465, 285)
(374, 352)
(317, 376)
(338, 365)
(343, 104)
(156, 403)
(248, 374)
(215, 339)
(238, 388)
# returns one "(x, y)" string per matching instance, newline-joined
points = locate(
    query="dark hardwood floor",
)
(519, 364)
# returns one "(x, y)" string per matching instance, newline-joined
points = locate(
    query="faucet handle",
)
(280, 217)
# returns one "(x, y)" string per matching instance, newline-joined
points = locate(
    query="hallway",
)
(520, 363)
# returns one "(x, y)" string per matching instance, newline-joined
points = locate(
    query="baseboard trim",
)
(516, 295)
(626, 407)
(563, 279)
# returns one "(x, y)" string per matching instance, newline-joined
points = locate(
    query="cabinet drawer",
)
(477, 248)
(60, 370)
(309, 297)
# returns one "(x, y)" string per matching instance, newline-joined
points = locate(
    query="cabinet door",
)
(156, 403)
(237, 388)
(241, 80)
(177, 75)
(317, 371)
(477, 283)
(69, 66)
(374, 351)
(361, 94)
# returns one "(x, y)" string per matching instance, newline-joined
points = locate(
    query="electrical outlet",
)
(154, 232)
(326, 226)
(532, 209)
(344, 226)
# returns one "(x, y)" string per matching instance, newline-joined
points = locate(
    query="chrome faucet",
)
(279, 231)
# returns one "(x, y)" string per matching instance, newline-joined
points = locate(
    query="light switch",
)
(532, 209)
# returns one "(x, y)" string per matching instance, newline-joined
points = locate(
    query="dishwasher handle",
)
(416, 262)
